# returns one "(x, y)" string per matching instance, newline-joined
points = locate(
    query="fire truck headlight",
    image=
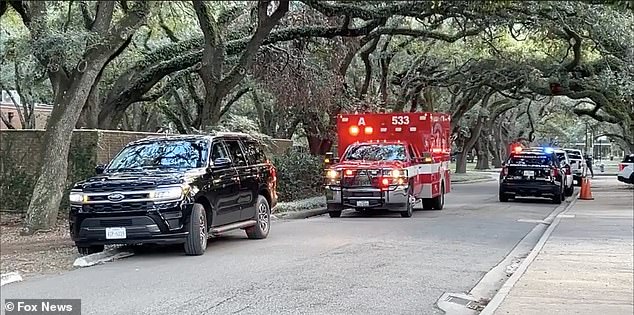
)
(399, 173)
(332, 174)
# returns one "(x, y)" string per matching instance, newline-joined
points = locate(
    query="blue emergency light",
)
(549, 150)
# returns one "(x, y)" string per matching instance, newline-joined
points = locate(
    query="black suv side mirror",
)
(99, 169)
(221, 163)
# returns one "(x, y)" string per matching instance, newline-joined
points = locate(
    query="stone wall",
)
(21, 155)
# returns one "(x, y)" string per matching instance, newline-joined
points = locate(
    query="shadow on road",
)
(151, 250)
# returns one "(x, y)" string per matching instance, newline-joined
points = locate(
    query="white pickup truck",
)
(626, 170)
(578, 165)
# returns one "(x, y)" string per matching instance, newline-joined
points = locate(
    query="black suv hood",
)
(137, 180)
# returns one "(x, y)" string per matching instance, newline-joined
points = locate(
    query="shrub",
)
(299, 176)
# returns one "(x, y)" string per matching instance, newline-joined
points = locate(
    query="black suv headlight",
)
(166, 194)
(76, 197)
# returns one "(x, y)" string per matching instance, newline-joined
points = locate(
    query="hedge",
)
(299, 176)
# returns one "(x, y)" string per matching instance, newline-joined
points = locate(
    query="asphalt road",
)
(356, 264)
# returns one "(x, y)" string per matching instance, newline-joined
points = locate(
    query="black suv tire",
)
(87, 250)
(334, 214)
(196, 242)
(504, 197)
(262, 218)
(557, 198)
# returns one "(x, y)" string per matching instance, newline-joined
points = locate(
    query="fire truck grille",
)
(362, 178)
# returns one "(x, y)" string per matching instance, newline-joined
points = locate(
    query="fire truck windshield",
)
(376, 152)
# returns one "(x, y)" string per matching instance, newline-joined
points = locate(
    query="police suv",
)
(532, 173)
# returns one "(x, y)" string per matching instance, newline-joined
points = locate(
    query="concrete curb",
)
(301, 214)
(474, 181)
(10, 277)
(101, 257)
(504, 291)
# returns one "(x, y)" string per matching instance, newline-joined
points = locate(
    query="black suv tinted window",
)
(218, 150)
(237, 156)
(629, 159)
(254, 152)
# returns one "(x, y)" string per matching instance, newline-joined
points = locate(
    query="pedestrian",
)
(589, 164)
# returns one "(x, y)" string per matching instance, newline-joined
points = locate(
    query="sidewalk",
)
(586, 266)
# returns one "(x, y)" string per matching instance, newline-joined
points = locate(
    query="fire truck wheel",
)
(409, 211)
(334, 214)
(439, 202)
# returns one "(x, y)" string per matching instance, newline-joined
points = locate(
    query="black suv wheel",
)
(196, 242)
(87, 250)
(504, 197)
(263, 220)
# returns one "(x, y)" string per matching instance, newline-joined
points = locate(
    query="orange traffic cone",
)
(586, 191)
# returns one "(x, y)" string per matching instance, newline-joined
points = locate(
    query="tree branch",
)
(450, 38)
(103, 16)
(87, 16)
(265, 25)
(234, 99)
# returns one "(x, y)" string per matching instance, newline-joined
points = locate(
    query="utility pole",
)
(586, 149)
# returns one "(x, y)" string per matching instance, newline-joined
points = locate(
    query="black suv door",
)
(245, 174)
(224, 188)
(255, 175)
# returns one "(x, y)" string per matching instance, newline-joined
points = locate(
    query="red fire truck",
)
(389, 161)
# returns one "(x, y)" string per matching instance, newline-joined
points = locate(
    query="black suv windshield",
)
(162, 154)
(376, 152)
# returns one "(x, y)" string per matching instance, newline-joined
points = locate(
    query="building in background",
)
(8, 109)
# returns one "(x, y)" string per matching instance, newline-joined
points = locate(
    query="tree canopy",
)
(506, 70)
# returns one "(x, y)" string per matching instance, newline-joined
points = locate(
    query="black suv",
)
(175, 189)
(534, 173)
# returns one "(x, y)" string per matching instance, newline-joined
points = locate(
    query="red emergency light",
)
(436, 150)
(517, 149)
(354, 131)
(369, 130)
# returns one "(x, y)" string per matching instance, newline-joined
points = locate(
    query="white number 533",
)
(400, 120)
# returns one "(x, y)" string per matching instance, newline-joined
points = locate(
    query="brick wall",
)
(21, 155)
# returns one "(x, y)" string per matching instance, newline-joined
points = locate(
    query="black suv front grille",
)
(108, 186)
(123, 206)
(126, 197)
(115, 222)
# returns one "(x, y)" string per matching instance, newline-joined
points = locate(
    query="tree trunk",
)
(496, 148)
(483, 154)
(51, 184)
(461, 163)
(88, 118)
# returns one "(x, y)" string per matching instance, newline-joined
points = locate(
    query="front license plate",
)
(115, 233)
(529, 173)
(363, 203)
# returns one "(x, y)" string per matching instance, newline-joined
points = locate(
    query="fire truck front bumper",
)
(393, 198)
